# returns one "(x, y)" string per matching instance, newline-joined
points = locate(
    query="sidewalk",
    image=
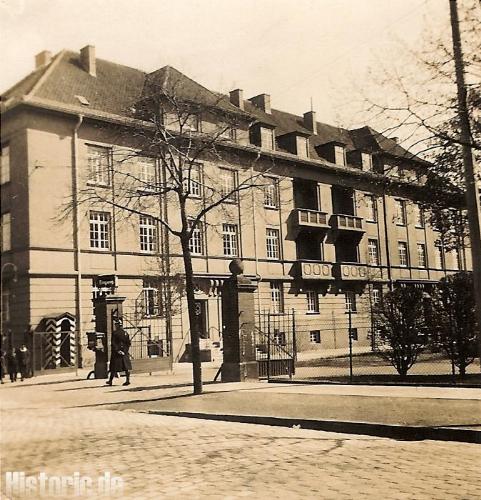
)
(442, 413)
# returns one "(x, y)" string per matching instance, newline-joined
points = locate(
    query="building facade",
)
(336, 221)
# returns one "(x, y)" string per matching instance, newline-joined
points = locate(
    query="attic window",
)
(366, 160)
(82, 100)
(339, 155)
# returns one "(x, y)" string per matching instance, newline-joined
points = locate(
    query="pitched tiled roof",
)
(116, 89)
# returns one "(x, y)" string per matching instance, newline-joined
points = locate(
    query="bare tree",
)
(166, 168)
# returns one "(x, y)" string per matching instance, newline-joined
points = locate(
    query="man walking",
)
(119, 354)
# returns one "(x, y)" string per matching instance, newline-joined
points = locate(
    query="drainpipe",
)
(76, 232)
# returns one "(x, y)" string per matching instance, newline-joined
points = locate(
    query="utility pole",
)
(472, 197)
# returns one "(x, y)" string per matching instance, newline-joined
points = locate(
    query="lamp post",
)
(15, 270)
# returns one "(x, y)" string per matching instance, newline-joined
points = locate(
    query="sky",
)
(294, 50)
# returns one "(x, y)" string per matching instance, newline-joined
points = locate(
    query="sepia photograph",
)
(240, 249)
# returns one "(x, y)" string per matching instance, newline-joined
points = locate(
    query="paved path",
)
(51, 428)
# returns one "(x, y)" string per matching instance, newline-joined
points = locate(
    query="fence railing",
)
(346, 349)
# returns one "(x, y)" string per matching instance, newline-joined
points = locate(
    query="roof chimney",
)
(262, 101)
(87, 60)
(310, 121)
(43, 58)
(237, 98)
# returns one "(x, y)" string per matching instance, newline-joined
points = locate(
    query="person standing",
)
(3, 366)
(23, 358)
(12, 364)
(119, 354)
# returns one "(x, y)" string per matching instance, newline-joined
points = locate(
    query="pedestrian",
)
(12, 364)
(3, 366)
(23, 357)
(119, 354)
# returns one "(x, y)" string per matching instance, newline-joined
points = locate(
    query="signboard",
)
(106, 281)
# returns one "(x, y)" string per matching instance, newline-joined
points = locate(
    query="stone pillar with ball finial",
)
(238, 323)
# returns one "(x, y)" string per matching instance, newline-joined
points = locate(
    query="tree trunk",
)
(194, 332)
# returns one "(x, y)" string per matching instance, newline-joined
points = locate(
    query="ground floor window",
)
(315, 336)
(354, 334)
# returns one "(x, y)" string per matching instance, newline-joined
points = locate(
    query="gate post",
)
(238, 318)
(107, 308)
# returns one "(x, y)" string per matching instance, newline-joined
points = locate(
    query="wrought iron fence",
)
(346, 349)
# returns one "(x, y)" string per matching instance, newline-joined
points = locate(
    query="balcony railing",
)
(311, 270)
(304, 217)
(347, 223)
(350, 271)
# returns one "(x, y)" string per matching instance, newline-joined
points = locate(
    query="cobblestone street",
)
(172, 457)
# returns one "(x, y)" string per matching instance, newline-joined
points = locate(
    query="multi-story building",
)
(337, 222)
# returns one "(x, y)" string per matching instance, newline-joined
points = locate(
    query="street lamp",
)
(15, 271)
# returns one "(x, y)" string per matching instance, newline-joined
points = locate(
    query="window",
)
(272, 243)
(5, 165)
(418, 215)
(227, 132)
(194, 184)
(267, 138)
(401, 212)
(147, 173)
(279, 337)
(229, 239)
(99, 165)
(228, 184)
(271, 193)
(312, 298)
(277, 297)
(100, 230)
(421, 255)
(315, 336)
(376, 295)
(350, 298)
(402, 247)
(151, 300)
(190, 123)
(339, 155)
(456, 258)
(353, 334)
(5, 306)
(371, 202)
(373, 252)
(6, 232)
(196, 242)
(366, 162)
(439, 255)
(148, 234)
(302, 146)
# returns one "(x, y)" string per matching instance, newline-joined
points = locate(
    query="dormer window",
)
(190, 123)
(267, 138)
(339, 155)
(334, 152)
(302, 146)
(366, 162)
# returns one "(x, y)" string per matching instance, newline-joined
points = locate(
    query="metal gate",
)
(275, 341)
(150, 349)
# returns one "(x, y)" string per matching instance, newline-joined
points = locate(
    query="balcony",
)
(314, 270)
(306, 218)
(349, 223)
(350, 271)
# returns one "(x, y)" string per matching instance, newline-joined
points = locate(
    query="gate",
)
(275, 341)
(150, 349)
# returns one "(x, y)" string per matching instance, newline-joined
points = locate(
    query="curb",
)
(400, 432)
